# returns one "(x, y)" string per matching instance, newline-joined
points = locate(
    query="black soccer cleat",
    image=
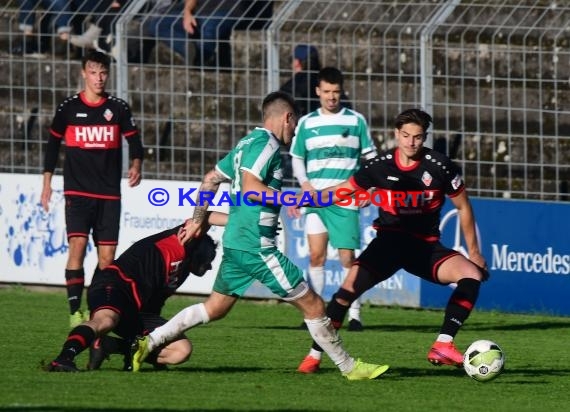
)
(97, 355)
(61, 366)
(354, 325)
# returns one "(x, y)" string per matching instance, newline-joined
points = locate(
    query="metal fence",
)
(495, 75)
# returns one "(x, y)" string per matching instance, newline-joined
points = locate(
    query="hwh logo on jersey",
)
(100, 137)
(94, 134)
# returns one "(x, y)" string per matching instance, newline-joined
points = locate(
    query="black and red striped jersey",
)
(93, 138)
(410, 198)
(155, 267)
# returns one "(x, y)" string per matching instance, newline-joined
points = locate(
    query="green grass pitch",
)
(247, 362)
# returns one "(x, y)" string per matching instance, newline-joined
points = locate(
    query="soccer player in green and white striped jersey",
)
(327, 149)
(250, 252)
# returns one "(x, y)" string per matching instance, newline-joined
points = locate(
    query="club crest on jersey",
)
(108, 115)
(426, 178)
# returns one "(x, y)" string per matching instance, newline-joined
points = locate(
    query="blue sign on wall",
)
(528, 253)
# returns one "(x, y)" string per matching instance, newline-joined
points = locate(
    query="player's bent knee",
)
(103, 320)
(479, 274)
(485, 275)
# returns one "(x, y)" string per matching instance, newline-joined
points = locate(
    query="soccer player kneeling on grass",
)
(128, 295)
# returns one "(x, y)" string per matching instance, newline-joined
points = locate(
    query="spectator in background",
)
(209, 23)
(302, 86)
(99, 34)
(57, 17)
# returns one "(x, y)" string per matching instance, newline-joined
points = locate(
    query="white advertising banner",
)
(34, 244)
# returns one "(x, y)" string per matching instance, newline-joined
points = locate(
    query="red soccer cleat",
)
(309, 365)
(445, 353)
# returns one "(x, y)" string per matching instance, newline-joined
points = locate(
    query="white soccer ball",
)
(483, 360)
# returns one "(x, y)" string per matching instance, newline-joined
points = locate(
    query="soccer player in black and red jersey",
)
(92, 124)
(413, 181)
(127, 296)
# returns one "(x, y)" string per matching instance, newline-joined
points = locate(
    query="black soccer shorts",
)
(85, 214)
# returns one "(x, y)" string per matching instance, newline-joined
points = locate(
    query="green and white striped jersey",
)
(252, 227)
(331, 145)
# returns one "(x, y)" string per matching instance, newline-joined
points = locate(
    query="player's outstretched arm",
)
(198, 224)
(336, 193)
(218, 218)
(214, 218)
(258, 191)
(467, 222)
(255, 188)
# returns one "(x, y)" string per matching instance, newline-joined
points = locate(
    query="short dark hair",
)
(415, 116)
(97, 57)
(331, 75)
(202, 251)
(276, 103)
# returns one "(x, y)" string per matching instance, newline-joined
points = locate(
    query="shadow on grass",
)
(405, 373)
(106, 409)
(520, 375)
(384, 328)
(427, 328)
(216, 370)
(544, 325)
